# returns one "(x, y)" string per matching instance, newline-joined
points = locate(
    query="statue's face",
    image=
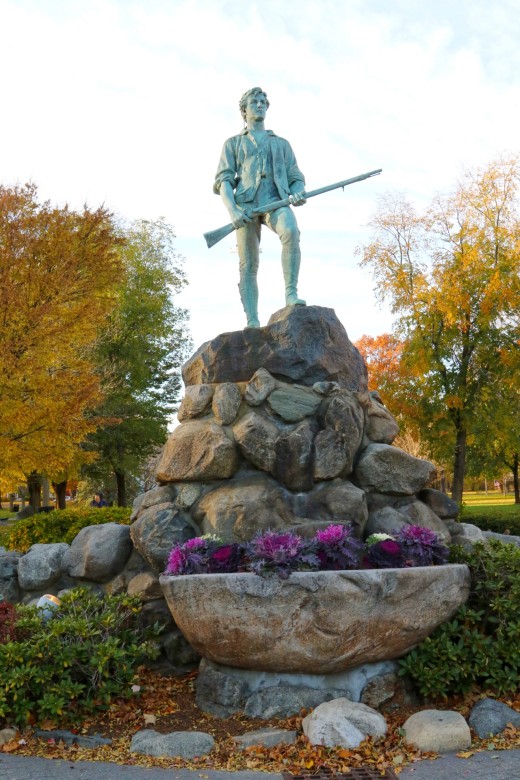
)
(256, 107)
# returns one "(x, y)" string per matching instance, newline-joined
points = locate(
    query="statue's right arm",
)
(239, 218)
(225, 182)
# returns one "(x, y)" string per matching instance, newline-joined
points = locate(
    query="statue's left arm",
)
(295, 178)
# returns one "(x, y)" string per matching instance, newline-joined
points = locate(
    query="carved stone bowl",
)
(313, 622)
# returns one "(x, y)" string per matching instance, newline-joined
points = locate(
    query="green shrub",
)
(61, 525)
(495, 519)
(75, 661)
(481, 645)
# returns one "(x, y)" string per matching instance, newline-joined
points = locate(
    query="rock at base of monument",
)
(304, 344)
(224, 690)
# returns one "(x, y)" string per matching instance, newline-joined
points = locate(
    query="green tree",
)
(495, 440)
(452, 277)
(139, 356)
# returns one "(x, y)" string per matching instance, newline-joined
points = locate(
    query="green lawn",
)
(492, 498)
(492, 512)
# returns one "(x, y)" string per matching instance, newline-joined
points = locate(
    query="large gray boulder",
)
(489, 717)
(381, 426)
(196, 401)
(198, 450)
(338, 501)
(162, 494)
(41, 566)
(293, 404)
(226, 403)
(256, 436)
(302, 344)
(343, 723)
(9, 589)
(443, 506)
(417, 513)
(158, 529)
(98, 552)
(313, 622)
(293, 457)
(385, 469)
(237, 509)
(439, 731)
(465, 534)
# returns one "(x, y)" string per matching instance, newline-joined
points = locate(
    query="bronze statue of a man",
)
(257, 167)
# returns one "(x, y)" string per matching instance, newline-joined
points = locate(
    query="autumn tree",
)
(139, 356)
(58, 269)
(382, 355)
(389, 376)
(451, 275)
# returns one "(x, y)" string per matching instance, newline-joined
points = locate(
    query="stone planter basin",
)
(313, 622)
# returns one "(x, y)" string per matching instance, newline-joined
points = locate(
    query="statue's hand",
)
(298, 198)
(239, 218)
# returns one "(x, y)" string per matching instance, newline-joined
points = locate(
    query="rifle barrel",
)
(214, 236)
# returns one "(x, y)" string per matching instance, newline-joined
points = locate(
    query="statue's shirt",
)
(258, 172)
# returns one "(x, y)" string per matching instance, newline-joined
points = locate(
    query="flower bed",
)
(331, 549)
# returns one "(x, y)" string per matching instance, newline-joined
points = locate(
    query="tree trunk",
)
(46, 492)
(34, 485)
(516, 482)
(121, 488)
(459, 465)
(60, 488)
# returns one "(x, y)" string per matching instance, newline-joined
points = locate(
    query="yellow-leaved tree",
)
(58, 272)
(452, 277)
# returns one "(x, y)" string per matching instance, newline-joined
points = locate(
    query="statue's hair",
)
(243, 100)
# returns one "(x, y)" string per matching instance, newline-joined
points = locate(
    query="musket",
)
(214, 236)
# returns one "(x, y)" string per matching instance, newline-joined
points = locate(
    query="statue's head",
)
(243, 100)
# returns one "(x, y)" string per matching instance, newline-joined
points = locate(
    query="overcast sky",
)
(128, 103)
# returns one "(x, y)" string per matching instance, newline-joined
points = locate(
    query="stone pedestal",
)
(279, 431)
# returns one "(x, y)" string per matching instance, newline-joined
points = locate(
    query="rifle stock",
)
(214, 236)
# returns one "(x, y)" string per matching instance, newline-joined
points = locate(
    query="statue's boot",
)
(291, 269)
(248, 289)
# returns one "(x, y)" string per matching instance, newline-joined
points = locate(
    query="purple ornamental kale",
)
(226, 559)
(337, 549)
(280, 553)
(386, 554)
(421, 546)
(176, 561)
(192, 557)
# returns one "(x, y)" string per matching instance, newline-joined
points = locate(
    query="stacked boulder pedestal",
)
(278, 430)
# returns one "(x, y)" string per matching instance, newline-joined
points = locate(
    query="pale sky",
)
(128, 103)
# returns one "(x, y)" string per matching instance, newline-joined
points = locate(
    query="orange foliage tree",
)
(452, 277)
(58, 271)
(396, 385)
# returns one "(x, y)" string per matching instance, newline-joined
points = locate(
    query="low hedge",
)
(504, 519)
(61, 525)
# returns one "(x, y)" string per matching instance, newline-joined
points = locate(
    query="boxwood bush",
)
(76, 660)
(61, 525)
(480, 646)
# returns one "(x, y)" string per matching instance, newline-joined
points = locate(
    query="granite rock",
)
(300, 344)
(439, 731)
